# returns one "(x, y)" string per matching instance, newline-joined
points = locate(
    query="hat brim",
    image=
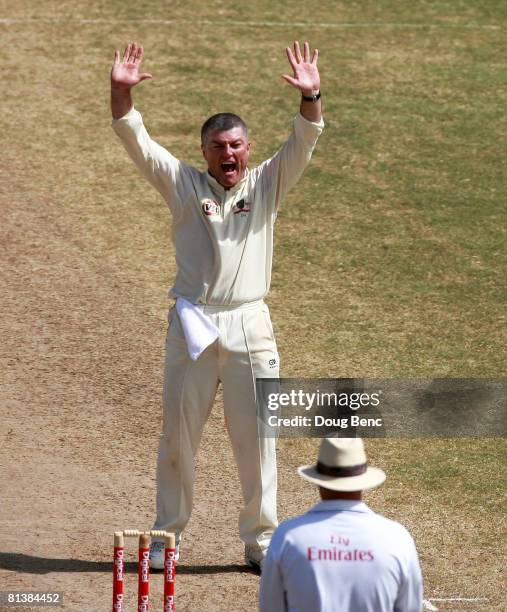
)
(373, 477)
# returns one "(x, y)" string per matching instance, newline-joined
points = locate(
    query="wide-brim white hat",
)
(342, 466)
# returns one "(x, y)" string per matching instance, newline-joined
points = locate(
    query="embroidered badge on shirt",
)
(241, 207)
(210, 207)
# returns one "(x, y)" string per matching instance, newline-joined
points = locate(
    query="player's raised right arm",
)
(126, 74)
(164, 171)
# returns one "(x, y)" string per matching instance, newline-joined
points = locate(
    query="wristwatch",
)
(313, 98)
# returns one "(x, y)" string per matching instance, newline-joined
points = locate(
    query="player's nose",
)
(227, 150)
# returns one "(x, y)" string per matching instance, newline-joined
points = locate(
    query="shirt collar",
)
(350, 505)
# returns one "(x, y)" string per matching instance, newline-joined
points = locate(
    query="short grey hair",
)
(222, 122)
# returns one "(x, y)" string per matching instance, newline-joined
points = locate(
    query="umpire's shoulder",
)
(292, 526)
(391, 531)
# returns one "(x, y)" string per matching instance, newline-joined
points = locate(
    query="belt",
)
(213, 308)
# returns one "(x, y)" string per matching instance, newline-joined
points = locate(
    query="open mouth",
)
(228, 167)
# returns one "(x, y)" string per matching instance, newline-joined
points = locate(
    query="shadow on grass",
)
(27, 564)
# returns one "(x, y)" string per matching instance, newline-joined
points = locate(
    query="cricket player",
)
(340, 556)
(219, 328)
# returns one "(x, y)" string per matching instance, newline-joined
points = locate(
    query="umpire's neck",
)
(326, 494)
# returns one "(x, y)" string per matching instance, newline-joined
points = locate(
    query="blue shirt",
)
(341, 556)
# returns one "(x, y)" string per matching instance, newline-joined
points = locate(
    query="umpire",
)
(340, 556)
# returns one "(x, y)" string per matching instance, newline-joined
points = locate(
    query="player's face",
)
(227, 155)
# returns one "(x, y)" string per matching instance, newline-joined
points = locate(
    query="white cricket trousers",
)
(244, 350)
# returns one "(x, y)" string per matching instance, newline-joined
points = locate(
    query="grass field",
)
(390, 253)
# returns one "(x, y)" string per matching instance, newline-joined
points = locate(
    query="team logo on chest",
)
(241, 207)
(210, 208)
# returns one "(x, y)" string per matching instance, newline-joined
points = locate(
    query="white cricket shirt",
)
(341, 557)
(223, 238)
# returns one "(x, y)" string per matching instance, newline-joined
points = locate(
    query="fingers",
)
(133, 52)
(295, 56)
(291, 80)
(306, 48)
(144, 76)
(139, 55)
(291, 58)
(297, 52)
(126, 53)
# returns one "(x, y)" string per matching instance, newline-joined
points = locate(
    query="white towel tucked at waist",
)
(199, 331)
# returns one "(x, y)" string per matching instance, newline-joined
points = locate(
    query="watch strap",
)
(313, 98)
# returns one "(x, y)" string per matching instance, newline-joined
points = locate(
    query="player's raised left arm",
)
(282, 171)
(306, 78)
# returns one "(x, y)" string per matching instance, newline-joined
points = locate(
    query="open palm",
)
(125, 72)
(305, 72)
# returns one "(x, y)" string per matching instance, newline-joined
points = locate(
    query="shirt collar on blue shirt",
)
(351, 505)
